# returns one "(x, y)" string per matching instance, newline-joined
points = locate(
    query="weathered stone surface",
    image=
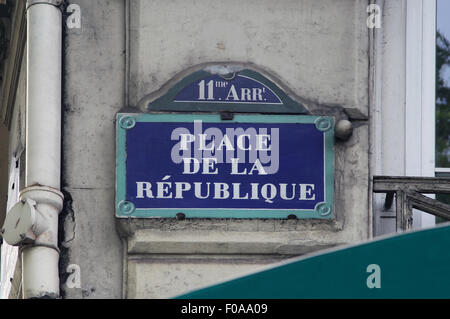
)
(319, 49)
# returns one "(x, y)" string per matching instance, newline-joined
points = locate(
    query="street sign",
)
(236, 89)
(253, 166)
(224, 88)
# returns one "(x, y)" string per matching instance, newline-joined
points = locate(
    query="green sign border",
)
(125, 209)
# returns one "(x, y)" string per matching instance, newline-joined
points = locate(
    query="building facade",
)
(367, 64)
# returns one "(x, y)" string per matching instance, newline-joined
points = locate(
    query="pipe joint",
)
(55, 3)
(47, 203)
(44, 195)
(34, 219)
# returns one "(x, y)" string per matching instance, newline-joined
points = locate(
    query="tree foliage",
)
(442, 102)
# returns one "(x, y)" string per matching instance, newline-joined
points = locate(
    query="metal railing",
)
(408, 194)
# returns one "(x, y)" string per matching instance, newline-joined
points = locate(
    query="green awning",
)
(410, 265)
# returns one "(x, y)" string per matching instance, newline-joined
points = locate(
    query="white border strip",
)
(420, 95)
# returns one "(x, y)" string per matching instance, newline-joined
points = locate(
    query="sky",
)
(443, 17)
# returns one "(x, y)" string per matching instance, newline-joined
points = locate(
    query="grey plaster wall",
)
(93, 93)
(318, 48)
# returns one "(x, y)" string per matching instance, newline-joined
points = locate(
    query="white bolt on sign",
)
(74, 279)
(74, 20)
(374, 19)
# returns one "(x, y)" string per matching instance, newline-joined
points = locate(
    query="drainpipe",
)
(40, 277)
(32, 223)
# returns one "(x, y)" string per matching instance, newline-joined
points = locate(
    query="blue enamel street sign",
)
(224, 88)
(254, 166)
